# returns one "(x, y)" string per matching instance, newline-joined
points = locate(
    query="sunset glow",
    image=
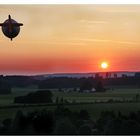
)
(104, 65)
(71, 38)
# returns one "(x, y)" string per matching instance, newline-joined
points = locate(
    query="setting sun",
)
(104, 65)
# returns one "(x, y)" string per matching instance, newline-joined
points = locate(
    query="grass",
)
(11, 112)
(93, 109)
(102, 96)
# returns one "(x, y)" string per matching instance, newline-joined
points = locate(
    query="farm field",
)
(86, 101)
(122, 94)
(93, 109)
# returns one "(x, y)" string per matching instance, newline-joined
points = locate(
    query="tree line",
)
(63, 121)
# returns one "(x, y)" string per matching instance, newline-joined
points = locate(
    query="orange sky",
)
(71, 38)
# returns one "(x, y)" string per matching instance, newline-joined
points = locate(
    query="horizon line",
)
(57, 73)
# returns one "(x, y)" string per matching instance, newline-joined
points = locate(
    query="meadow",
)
(94, 103)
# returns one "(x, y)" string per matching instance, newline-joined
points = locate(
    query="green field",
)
(93, 108)
(122, 94)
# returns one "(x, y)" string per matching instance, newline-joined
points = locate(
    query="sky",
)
(71, 39)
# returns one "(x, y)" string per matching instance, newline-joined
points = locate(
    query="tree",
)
(107, 75)
(87, 85)
(19, 123)
(85, 130)
(43, 122)
(57, 100)
(99, 86)
(65, 127)
(115, 75)
(137, 97)
(41, 96)
(5, 88)
(62, 100)
(84, 114)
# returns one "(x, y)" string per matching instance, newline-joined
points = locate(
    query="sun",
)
(104, 65)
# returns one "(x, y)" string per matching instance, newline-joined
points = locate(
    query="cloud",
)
(107, 41)
(94, 21)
